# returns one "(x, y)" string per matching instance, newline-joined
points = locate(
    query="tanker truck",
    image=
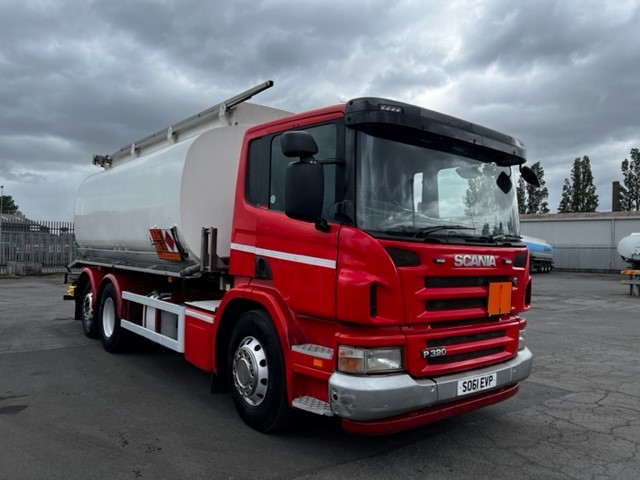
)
(629, 250)
(360, 261)
(540, 254)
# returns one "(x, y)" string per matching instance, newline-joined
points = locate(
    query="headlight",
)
(522, 339)
(369, 360)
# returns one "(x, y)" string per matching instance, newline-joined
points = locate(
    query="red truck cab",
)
(392, 261)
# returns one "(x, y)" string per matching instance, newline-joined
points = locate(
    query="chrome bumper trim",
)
(373, 397)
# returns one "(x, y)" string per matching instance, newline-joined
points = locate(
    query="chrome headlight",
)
(369, 360)
(522, 339)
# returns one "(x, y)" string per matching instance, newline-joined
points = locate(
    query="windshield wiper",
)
(412, 232)
(425, 232)
(502, 238)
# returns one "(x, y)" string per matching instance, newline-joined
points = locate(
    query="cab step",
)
(313, 405)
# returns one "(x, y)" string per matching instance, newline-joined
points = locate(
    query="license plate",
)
(477, 384)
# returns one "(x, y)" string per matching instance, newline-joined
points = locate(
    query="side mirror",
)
(298, 144)
(504, 182)
(304, 181)
(529, 176)
(304, 191)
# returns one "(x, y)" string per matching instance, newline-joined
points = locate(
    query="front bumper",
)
(375, 397)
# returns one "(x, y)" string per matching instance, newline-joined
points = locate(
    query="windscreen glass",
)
(413, 191)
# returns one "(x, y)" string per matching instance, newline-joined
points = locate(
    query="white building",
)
(583, 241)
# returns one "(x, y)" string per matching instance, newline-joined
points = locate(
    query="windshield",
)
(416, 192)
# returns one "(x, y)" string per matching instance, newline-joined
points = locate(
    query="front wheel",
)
(256, 372)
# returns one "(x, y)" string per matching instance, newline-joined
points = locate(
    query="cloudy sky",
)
(79, 77)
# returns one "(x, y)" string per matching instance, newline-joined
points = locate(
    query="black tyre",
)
(256, 373)
(112, 335)
(87, 314)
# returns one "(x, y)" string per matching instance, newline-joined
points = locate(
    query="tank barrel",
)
(629, 249)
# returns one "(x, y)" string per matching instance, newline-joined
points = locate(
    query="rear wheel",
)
(87, 314)
(256, 372)
(112, 335)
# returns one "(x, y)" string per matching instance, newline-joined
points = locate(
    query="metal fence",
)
(31, 246)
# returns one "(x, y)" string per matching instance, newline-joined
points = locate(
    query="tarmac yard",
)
(68, 409)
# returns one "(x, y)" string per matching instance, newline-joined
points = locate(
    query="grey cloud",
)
(82, 77)
(516, 36)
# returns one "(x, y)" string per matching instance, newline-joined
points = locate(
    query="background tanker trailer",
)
(629, 250)
(285, 255)
(541, 253)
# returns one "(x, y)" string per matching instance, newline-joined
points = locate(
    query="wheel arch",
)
(111, 279)
(124, 282)
(242, 301)
(88, 276)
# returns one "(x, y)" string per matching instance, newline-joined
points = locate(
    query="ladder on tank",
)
(219, 112)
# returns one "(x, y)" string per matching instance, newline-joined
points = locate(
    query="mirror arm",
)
(322, 225)
(332, 161)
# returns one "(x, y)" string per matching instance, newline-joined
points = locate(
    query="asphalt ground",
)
(69, 410)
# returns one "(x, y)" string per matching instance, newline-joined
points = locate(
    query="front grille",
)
(459, 282)
(454, 328)
(455, 304)
(454, 295)
(465, 356)
(466, 322)
(476, 337)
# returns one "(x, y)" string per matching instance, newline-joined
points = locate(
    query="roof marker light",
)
(390, 108)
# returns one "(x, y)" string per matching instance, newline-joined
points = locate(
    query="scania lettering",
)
(310, 261)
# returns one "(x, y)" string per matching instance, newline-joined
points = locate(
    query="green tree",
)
(482, 197)
(476, 199)
(579, 195)
(630, 188)
(532, 199)
(565, 201)
(9, 205)
(522, 196)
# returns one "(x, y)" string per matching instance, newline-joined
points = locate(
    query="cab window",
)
(267, 166)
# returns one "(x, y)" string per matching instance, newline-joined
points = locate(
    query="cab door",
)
(292, 256)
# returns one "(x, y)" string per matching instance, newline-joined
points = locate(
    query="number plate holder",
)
(478, 383)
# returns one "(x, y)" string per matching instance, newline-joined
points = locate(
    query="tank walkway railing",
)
(33, 247)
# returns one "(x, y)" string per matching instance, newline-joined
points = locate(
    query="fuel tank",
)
(629, 249)
(538, 248)
(187, 184)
